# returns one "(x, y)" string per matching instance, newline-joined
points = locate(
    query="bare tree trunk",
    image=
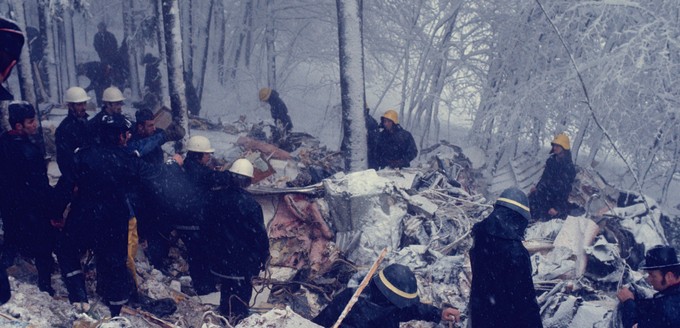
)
(242, 37)
(206, 46)
(160, 35)
(24, 69)
(128, 31)
(271, 49)
(70, 47)
(354, 144)
(48, 61)
(173, 37)
(249, 33)
(51, 52)
(221, 52)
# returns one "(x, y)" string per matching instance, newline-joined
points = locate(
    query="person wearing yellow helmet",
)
(550, 198)
(395, 147)
(279, 113)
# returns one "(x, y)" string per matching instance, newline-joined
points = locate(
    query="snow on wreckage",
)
(327, 227)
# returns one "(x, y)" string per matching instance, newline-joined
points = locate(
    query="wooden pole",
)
(363, 285)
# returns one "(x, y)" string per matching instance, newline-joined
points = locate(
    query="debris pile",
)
(327, 227)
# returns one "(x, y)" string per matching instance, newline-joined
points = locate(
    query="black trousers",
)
(198, 257)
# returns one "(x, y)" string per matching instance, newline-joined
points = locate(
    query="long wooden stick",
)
(361, 287)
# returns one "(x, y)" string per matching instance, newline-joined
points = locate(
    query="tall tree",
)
(352, 84)
(160, 35)
(173, 48)
(129, 29)
(271, 48)
(25, 71)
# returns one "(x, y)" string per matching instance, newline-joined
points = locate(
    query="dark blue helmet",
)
(398, 284)
(515, 200)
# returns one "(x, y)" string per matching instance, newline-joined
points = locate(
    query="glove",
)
(174, 132)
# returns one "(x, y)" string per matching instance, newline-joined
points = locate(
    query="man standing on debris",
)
(502, 292)
(391, 297)
(396, 147)
(11, 42)
(236, 226)
(203, 181)
(26, 196)
(147, 141)
(550, 198)
(279, 113)
(663, 310)
(72, 132)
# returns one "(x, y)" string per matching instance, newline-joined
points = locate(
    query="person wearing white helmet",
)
(113, 104)
(72, 132)
(203, 180)
(235, 224)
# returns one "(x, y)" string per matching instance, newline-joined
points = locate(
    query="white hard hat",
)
(199, 144)
(113, 94)
(242, 166)
(76, 95)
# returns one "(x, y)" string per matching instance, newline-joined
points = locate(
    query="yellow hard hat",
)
(561, 140)
(265, 93)
(391, 115)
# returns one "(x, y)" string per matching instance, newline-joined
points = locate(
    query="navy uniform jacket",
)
(368, 314)
(235, 226)
(72, 133)
(661, 311)
(395, 149)
(502, 292)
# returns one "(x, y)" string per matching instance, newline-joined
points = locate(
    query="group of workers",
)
(114, 174)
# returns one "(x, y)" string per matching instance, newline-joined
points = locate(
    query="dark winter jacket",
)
(149, 148)
(502, 293)
(201, 180)
(26, 197)
(71, 134)
(279, 112)
(396, 148)
(661, 311)
(373, 310)
(235, 226)
(552, 190)
(106, 45)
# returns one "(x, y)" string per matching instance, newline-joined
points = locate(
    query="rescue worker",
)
(203, 180)
(26, 196)
(395, 147)
(236, 226)
(72, 133)
(279, 113)
(550, 198)
(663, 310)
(391, 297)
(105, 44)
(11, 42)
(502, 292)
(113, 101)
(147, 141)
(104, 174)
